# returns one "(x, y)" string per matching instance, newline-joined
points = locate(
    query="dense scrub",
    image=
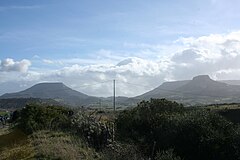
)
(157, 129)
(161, 125)
(35, 117)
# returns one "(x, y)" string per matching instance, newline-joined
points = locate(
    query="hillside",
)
(14, 103)
(231, 82)
(56, 91)
(166, 89)
(200, 90)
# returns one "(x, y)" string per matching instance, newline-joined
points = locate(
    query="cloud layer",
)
(9, 65)
(217, 55)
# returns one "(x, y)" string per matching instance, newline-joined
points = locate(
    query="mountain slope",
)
(166, 89)
(204, 86)
(15, 103)
(231, 82)
(200, 90)
(57, 91)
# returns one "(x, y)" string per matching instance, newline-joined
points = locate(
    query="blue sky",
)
(63, 29)
(50, 36)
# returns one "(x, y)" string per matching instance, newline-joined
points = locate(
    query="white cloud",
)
(9, 65)
(217, 55)
(130, 70)
(47, 61)
(207, 55)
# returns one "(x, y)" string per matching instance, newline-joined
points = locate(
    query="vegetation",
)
(96, 131)
(2, 113)
(157, 129)
(167, 155)
(34, 117)
(13, 103)
(161, 125)
(50, 145)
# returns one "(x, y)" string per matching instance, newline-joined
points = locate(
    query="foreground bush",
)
(167, 155)
(119, 151)
(34, 117)
(159, 125)
(96, 133)
(148, 123)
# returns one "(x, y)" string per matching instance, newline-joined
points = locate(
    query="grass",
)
(230, 111)
(59, 145)
(12, 138)
(44, 145)
(18, 152)
(223, 106)
(14, 145)
(4, 130)
(2, 113)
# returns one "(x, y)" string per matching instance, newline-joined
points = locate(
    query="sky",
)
(87, 43)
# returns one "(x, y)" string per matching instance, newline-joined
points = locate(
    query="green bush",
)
(167, 155)
(97, 133)
(119, 151)
(141, 125)
(35, 117)
(158, 125)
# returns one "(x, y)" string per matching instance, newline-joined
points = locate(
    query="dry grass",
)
(4, 130)
(18, 152)
(46, 145)
(11, 138)
(58, 145)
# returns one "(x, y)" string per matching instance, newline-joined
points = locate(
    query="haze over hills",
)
(200, 90)
(231, 82)
(56, 91)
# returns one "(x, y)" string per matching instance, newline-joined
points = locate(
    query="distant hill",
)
(166, 89)
(200, 90)
(231, 82)
(120, 101)
(56, 91)
(204, 86)
(15, 103)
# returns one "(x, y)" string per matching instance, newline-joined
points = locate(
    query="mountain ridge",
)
(53, 90)
(200, 90)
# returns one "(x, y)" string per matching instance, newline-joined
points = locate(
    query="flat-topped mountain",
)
(200, 90)
(56, 91)
(204, 86)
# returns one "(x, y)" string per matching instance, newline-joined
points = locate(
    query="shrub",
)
(167, 155)
(120, 151)
(158, 125)
(35, 117)
(97, 133)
